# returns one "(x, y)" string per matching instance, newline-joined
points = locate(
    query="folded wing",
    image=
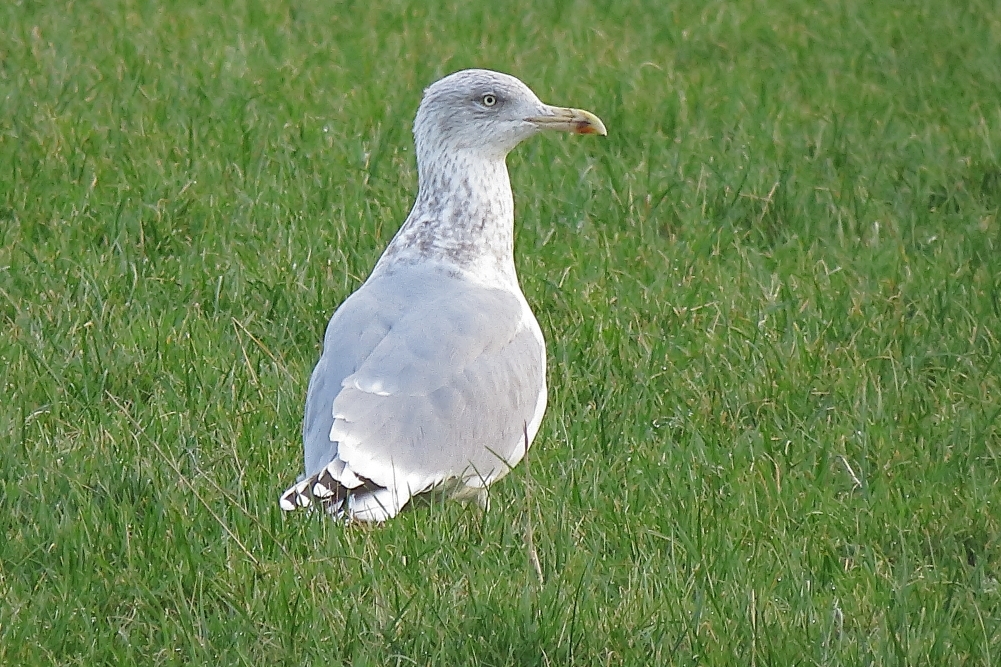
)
(423, 379)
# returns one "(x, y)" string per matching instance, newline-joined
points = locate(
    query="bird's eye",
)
(489, 100)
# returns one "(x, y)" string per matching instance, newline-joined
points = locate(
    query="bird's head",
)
(489, 113)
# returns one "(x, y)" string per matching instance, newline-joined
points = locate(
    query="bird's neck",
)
(463, 217)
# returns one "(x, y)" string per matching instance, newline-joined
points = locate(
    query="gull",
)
(432, 376)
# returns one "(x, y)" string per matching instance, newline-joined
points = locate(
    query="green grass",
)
(772, 298)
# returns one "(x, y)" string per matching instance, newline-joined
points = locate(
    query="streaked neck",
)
(463, 216)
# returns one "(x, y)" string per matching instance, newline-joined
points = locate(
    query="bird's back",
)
(426, 377)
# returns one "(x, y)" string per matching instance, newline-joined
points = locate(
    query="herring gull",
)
(433, 373)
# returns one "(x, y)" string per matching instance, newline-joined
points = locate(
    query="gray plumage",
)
(432, 374)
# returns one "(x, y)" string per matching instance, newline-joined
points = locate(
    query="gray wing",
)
(424, 378)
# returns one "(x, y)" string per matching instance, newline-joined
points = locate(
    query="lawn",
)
(772, 300)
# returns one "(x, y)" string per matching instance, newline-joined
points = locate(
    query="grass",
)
(772, 298)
